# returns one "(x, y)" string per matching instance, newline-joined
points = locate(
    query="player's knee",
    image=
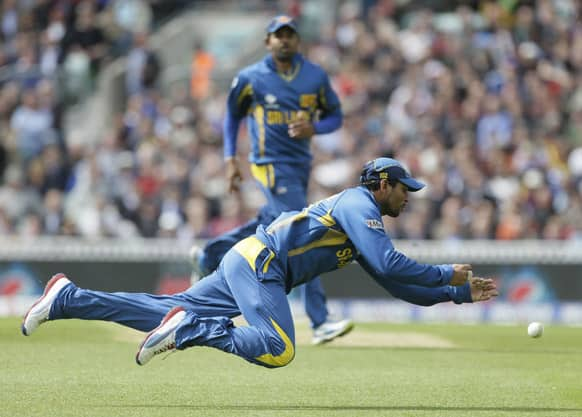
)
(280, 360)
(282, 350)
(282, 363)
(287, 356)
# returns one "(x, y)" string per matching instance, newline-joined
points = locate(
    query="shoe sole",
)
(49, 286)
(345, 331)
(166, 318)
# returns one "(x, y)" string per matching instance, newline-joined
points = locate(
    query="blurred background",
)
(111, 142)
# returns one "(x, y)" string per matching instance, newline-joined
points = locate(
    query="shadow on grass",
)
(266, 407)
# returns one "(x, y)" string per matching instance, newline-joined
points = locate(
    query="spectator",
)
(143, 66)
(202, 67)
(486, 105)
(31, 126)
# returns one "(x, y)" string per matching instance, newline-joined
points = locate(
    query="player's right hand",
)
(461, 274)
(302, 128)
(233, 175)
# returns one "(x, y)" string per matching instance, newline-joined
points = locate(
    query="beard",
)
(392, 212)
(286, 56)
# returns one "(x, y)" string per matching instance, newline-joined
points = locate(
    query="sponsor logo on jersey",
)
(234, 82)
(375, 224)
(308, 101)
(270, 99)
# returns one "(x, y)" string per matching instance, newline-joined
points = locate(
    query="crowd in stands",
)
(484, 104)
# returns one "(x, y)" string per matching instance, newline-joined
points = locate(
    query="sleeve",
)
(329, 104)
(360, 218)
(238, 103)
(328, 124)
(418, 295)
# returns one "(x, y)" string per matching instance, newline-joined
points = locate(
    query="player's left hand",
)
(302, 128)
(483, 289)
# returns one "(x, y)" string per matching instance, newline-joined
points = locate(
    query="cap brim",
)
(282, 25)
(412, 184)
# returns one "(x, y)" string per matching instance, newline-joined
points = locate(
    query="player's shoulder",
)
(354, 198)
(359, 193)
(253, 71)
(249, 71)
(357, 207)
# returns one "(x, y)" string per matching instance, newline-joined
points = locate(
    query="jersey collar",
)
(295, 67)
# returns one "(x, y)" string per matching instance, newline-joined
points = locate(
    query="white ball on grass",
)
(535, 329)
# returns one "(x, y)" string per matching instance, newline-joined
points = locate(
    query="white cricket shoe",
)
(197, 271)
(329, 330)
(39, 312)
(162, 338)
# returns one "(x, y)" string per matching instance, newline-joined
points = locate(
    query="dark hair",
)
(374, 185)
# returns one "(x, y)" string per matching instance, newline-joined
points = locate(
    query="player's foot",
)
(39, 312)
(162, 338)
(198, 272)
(329, 330)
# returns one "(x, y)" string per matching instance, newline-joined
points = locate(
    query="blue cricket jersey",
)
(272, 101)
(348, 226)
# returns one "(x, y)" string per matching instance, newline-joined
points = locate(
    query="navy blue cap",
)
(388, 169)
(281, 21)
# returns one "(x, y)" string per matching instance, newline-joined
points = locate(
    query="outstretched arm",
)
(359, 216)
(477, 289)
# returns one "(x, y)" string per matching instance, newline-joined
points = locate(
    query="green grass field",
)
(75, 368)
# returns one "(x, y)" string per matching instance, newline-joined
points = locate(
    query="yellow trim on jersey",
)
(275, 226)
(265, 174)
(268, 262)
(271, 175)
(330, 238)
(326, 219)
(249, 249)
(285, 357)
(259, 114)
(292, 75)
(247, 91)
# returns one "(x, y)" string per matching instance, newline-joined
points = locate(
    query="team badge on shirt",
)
(375, 224)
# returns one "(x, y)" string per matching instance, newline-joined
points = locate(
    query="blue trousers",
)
(246, 283)
(285, 187)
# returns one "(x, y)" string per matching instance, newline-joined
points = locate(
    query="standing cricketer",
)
(286, 100)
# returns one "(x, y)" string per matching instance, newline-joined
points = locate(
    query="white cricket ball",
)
(535, 329)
